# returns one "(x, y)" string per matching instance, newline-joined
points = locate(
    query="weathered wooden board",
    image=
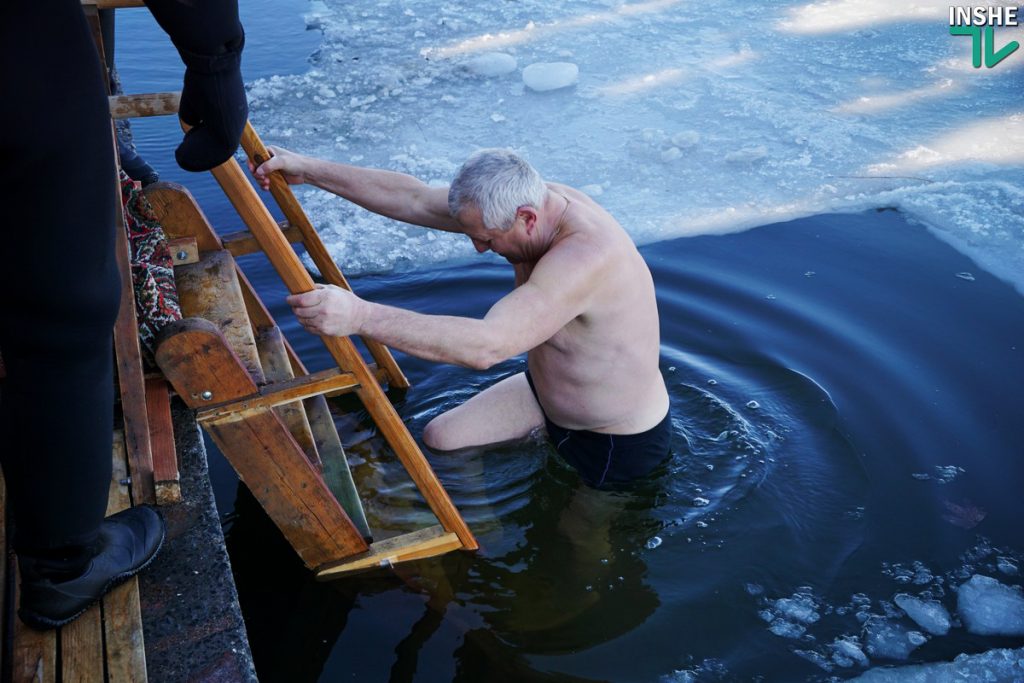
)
(196, 359)
(209, 289)
(277, 368)
(161, 429)
(122, 612)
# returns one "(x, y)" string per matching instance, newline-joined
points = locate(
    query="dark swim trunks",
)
(603, 459)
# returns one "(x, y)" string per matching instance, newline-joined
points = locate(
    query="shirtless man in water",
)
(583, 310)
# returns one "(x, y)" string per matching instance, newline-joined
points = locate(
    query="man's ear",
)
(528, 215)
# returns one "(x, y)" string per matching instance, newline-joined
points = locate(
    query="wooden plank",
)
(122, 613)
(144, 104)
(293, 211)
(193, 354)
(129, 366)
(180, 215)
(249, 206)
(4, 558)
(209, 289)
(201, 388)
(34, 655)
(92, 18)
(276, 368)
(260, 317)
(81, 641)
(161, 430)
(242, 242)
(417, 545)
(184, 250)
(336, 472)
(126, 647)
(114, 4)
(273, 395)
(81, 648)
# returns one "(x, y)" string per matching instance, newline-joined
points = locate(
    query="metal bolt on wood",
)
(207, 395)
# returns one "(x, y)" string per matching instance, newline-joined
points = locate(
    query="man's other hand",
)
(329, 311)
(288, 163)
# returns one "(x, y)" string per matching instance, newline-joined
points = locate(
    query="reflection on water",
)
(843, 431)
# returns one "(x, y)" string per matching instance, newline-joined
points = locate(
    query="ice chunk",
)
(747, 155)
(550, 75)
(800, 607)
(682, 676)
(491, 64)
(671, 154)
(887, 639)
(989, 608)
(846, 650)
(994, 665)
(687, 138)
(928, 614)
(1007, 566)
(317, 15)
(786, 629)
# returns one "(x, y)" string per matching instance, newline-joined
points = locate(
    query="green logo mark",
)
(992, 56)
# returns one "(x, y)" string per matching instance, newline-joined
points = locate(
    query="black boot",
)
(128, 542)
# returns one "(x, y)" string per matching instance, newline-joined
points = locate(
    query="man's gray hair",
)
(497, 181)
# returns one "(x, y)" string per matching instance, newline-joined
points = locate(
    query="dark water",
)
(815, 368)
(820, 372)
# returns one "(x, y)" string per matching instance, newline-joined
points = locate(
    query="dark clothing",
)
(59, 283)
(603, 459)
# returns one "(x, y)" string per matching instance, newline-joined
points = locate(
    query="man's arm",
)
(558, 291)
(395, 195)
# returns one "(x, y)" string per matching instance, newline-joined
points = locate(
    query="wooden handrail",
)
(247, 203)
(293, 211)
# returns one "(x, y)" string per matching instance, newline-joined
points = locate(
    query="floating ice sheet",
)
(990, 608)
(692, 117)
(994, 665)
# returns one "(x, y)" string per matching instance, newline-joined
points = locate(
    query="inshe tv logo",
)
(980, 23)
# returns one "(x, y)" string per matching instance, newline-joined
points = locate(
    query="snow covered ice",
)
(990, 608)
(693, 118)
(997, 666)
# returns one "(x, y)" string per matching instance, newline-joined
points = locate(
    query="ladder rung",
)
(271, 395)
(242, 242)
(417, 545)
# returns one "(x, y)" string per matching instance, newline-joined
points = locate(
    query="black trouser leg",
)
(59, 284)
